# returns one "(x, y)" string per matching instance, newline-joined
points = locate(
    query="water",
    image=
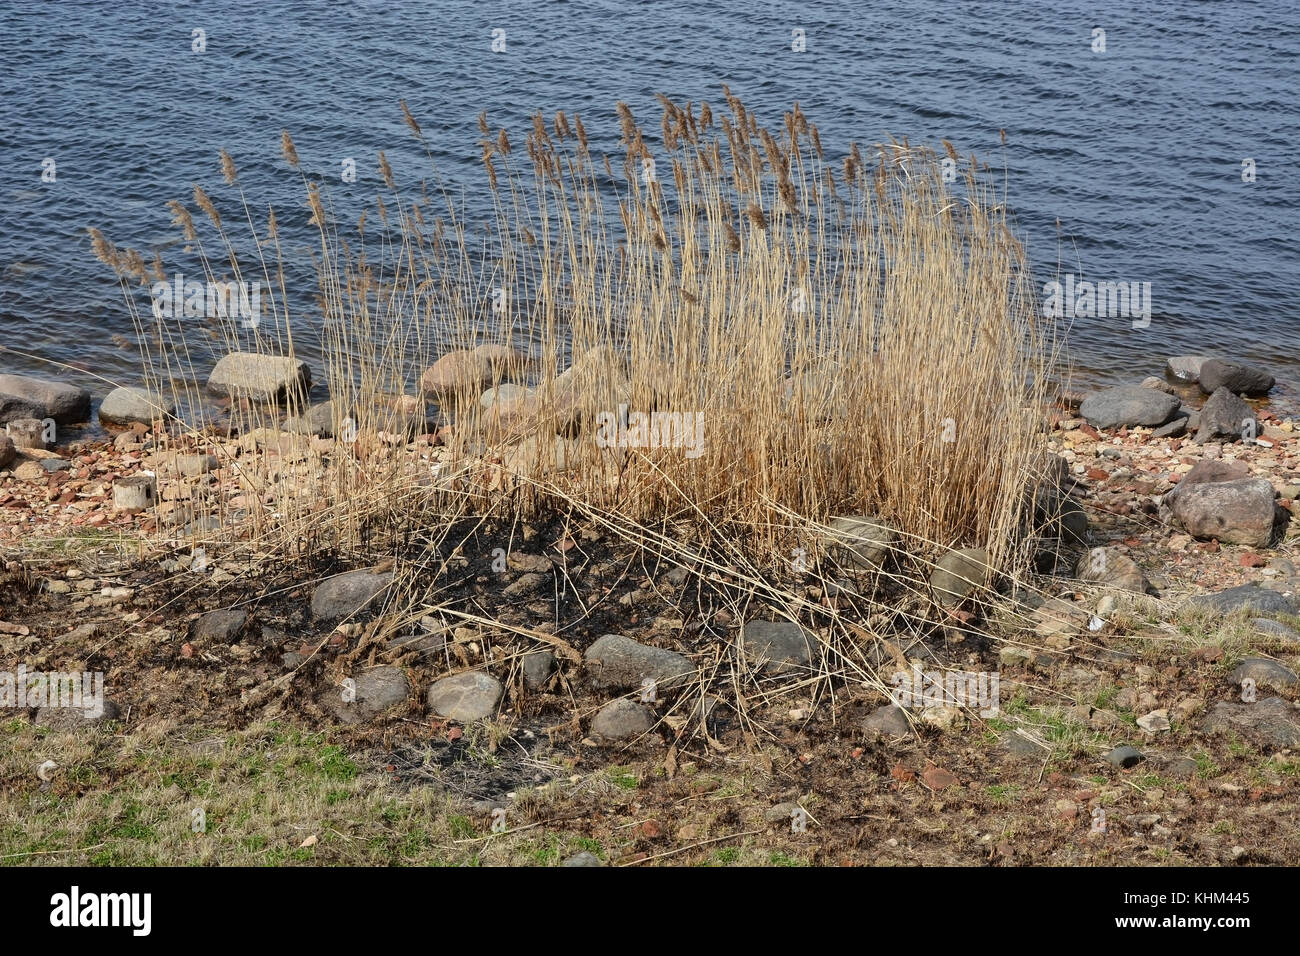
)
(1136, 152)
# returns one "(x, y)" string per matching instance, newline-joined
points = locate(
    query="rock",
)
(1155, 722)
(1127, 405)
(347, 594)
(220, 627)
(526, 584)
(1021, 746)
(380, 688)
(1185, 368)
(66, 404)
(1124, 756)
(7, 451)
(888, 721)
(777, 647)
(122, 406)
(959, 574)
(1174, 428)
(259, 378)
(317, 420)
(1266, 673)
(13, 408)
(1209, 504)
(188, 466)
(1246, 597)
(621, 719)
(583, 858)
(76, 718)
(531, 457)
(1275, 629)
(860, 542)
(502, 361)
(538, 668)
(456, 374)
(1225, 416)
(1159, 384)
(781, 812)
(1178, 767)
(619, 663)
(1271, 722)
(1236, 377)
(465, 697)
(1109, 567)
(505, 393)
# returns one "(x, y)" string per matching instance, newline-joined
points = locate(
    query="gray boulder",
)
(860, 541)
(622, 719)
(620, 663)
(1235, 511)
(347, 594)
(66, 404)
(960, 574)
(259, 378)
(1128, 405)
(776, 647)
(122, 406)
(1271, 722)
(1111, 568)
(1225, 416)
(1236, 377)
(1185, 368)
(1246, 597)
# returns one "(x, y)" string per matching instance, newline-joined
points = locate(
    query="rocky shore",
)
(1150, 662)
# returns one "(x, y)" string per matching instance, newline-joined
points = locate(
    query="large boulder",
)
(122, 406)
(1245, 597)
(456, 374)
(22, 396)
(860, 541)
(1236, 377)
(1214, 501)
(960, 574)
(259, 378)
(1226, 417)
(1185, 368)
(1128, 405)
(1111, 568)
(777, 647)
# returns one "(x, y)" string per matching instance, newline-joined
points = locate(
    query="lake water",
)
(1121, 165)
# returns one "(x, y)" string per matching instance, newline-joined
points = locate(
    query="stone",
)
(465, 697)
(1225, 416)
(1111, 568)
(538, 667)
(777, 647)
(1159, 384)
(526, 584)
(1021, 746)
(7, 451)
(1174, 428)
(621, 719)
(1236, 377)
(860, 542)
(1245, 597)
(220, 627)
(380, 688)
(1128, 405)
(317, 420)
(1235, 511)
(13, 408)
(503, 361)
(1271, 722)
(188, 466)
(888, 721)
(1185, 368)
(1124, 757)
(66, 404)
(960, 574)
(455, 374)
(504, 394)
(1265, 673)
(620, 663)
(1276, 629)
(76, 718)
(1155, 722)
(346, 594)
(122, 406)
(583, 858)
(259, 378)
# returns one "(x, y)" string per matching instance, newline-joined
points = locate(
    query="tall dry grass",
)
(858, 335)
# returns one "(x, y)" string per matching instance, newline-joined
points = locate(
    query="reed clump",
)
(801, 336)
